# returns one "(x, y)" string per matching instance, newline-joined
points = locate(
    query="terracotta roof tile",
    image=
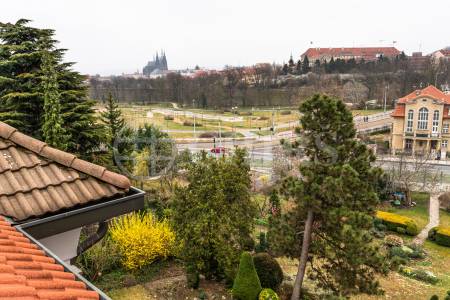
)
(367, 53)
(399, 111)
(34, 275)
(430, 91)
(38, 179)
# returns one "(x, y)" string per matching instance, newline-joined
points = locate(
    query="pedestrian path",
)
(433, 219)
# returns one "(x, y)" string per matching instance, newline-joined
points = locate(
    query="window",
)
(445, 128)
(423, 119)
(444, 143)
(409, 123)
(434, 128)
(408, 144)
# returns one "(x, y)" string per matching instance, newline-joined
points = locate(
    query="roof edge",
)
(64, 158)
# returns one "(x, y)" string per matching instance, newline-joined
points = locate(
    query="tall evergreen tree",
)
(119, 136)
(298, 67)
(335, 201)
(305, 65)
(22, 96)
(53, 131)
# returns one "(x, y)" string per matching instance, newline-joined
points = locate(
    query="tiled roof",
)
(399, 111)
(26, 272)
(365, 52)
(37, 179)
(430, 91)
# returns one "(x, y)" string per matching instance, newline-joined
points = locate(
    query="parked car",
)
(218, 150)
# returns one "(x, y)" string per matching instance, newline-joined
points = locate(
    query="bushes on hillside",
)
(440, 235)
(142, 239)
(269, 271)
(444, 200)
(246, 285)
(421, 275)
(397, 223)
(99, 259)
(268, 294)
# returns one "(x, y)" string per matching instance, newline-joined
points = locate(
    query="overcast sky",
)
(114, 37)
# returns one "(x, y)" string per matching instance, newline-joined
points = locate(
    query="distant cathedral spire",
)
(159, 63)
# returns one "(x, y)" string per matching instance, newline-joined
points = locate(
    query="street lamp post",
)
(193, 106)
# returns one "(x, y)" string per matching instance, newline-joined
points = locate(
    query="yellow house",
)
(421, 123)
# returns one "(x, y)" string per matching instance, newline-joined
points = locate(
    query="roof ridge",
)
(64, 158)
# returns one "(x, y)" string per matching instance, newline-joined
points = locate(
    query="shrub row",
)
(189, 123)
(441, 235)
(285, 112)
(400, 224)
(421, 275)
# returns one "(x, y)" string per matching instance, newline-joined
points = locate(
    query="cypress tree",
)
(112, 117)
(52, 129)
(246, 284)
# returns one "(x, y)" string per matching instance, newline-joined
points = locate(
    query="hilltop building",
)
(366, 53)
(421, 122)
(157, 66)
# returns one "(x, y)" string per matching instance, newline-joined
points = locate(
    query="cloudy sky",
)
(112, 36)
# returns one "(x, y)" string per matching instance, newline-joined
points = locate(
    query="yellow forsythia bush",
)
(142, 239)
(398, 223)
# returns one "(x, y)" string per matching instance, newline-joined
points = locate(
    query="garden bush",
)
(99, 259)
(262, 244)
(245, 113)
(268, 294)
(421, 275)
(246, 285)
(269, 271)
(441, 235)
(285, 112)
(393, 240)
(398, 223)
(168, 118)
(263, 118)
(189, 123)
(141, 239)
(444, 201)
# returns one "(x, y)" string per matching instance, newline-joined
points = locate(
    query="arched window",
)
(409, 122)
(422, 124)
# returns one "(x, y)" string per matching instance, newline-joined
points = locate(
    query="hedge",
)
(398, 223)
(441, 235)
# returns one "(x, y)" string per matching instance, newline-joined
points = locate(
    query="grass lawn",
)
(419, 213)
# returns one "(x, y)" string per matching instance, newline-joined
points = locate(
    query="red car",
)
(218, 150)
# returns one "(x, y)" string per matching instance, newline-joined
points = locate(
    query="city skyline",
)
(107, 37)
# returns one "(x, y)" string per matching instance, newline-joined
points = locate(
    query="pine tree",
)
(112, 117)
(22, 95)
(335, 201)
(119, 136)
(305, 65)
(52, 129)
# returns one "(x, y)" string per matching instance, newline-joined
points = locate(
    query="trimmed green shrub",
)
(434, 297)
(168, 118)
(268, 294)
(441, 235)
(400, 224)
(246, 285)
(269, 271)
(285, 112)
